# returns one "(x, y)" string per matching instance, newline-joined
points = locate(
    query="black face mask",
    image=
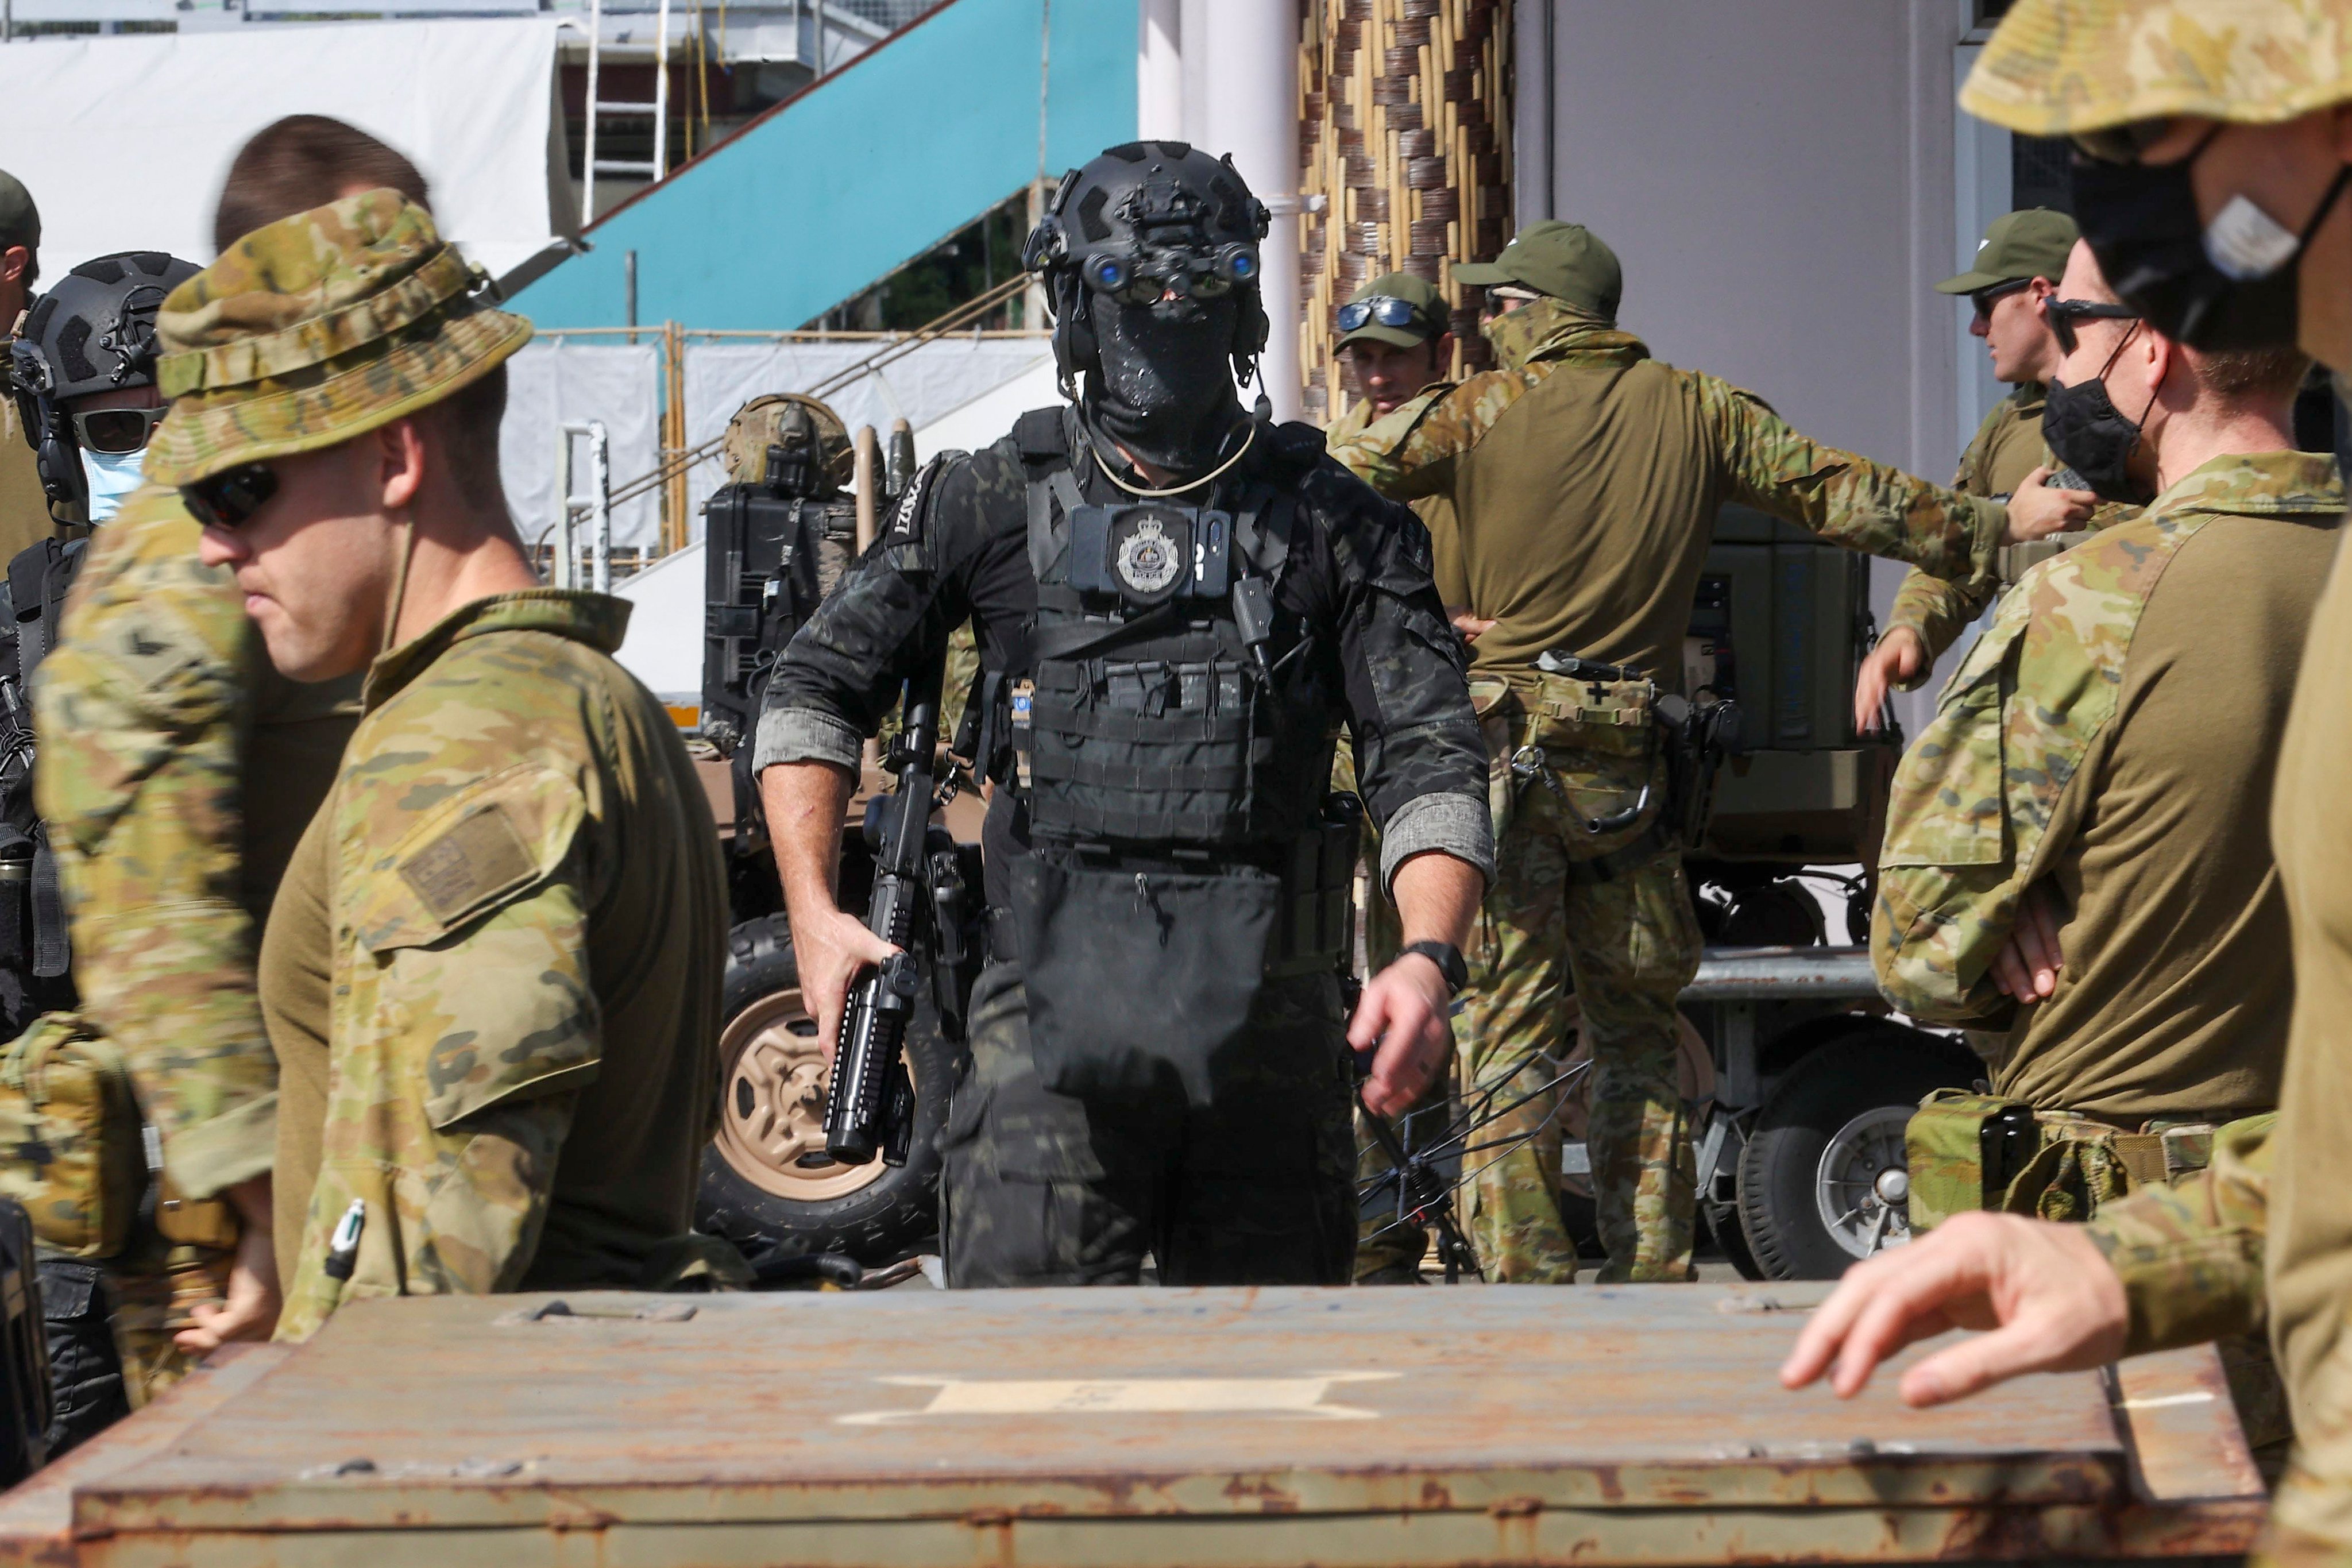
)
(1165, 389)
(2141, 223)
(2089, 434)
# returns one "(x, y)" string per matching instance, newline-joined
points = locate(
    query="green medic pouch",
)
(1963, 1150)
(71, 1146)
(1606, 718)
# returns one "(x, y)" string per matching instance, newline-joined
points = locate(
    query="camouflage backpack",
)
(781, 423)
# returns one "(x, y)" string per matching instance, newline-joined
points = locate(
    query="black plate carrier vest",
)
(1157, 727)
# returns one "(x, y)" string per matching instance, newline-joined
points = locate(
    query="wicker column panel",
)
(1405, 132)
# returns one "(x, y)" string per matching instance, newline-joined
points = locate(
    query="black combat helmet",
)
(1142, 220)
(94, 332)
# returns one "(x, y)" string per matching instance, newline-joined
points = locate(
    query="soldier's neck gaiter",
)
(1164, 391)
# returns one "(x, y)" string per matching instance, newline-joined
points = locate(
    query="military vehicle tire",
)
(1821, 1176)
(767, 1184)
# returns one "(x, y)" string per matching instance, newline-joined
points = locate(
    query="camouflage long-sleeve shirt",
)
(2105, 739)
(2190, 1255)
(521, 1011)
(1588, 477)
(176, 770)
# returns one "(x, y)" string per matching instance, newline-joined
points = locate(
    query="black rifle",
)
(871, 1109)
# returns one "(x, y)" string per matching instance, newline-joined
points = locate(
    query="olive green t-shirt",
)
(2177, 985)
(295, 976)
(2007, 445)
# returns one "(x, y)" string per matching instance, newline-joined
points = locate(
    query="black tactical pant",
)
(1257, 1189)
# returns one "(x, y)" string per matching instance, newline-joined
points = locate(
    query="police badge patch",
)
(1147, 558)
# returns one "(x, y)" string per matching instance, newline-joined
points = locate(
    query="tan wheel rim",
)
(771, 1127)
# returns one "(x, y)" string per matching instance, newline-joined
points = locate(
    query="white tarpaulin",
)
(923, 387)
(124, 140)
(553, 381)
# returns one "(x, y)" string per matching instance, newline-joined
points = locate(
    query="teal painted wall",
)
(859, 173)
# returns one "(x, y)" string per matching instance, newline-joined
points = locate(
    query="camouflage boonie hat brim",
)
(2056, 68)
(316, 329)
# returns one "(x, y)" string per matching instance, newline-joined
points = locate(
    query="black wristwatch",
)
(1448, 959)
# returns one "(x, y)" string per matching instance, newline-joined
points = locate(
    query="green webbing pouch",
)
(71, 1150)
(1963, 1150)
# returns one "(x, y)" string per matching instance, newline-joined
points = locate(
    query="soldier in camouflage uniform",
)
(498, 942)
(177, 771)
(1580, 424)
(2189, 111)
(2016, 269)
(1391, 360)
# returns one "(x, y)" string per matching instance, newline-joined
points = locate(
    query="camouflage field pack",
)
(70, 1127)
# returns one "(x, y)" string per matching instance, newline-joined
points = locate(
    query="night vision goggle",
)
(1142, 277)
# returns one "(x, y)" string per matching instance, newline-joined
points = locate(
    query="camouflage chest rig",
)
(1174, 755)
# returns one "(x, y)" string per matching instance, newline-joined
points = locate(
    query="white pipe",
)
(588, 153)
(1250, 81)
(562, 566)
(1160, 71)
(661, 96)
(564, 569)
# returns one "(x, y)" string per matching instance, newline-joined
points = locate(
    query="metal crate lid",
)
(1003, 1410)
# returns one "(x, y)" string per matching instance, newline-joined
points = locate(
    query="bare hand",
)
(250, 1312)
(2037, 511)
(2047, 1292)
(832, 948)
(1404, 1010)
(1898, 659)
(2026, 968)
(1468, 625)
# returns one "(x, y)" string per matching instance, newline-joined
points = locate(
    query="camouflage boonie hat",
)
(316, 329)
(2058, 68)
(771, 420)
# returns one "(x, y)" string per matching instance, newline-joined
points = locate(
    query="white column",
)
(1160, 71)
(1249, 107)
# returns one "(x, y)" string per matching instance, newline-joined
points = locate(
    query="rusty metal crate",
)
(1227, 1427)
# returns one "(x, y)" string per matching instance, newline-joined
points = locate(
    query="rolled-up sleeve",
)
(1443, 824)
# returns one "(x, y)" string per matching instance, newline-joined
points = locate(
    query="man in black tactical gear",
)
(1178, 605)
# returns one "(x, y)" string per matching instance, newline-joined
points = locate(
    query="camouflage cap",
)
(1430, 316)
(773, 419)
(1565, 260)
(2032, 242)
(316, 329)
(2058, 68)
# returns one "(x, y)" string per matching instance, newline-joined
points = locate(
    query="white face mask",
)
(111, 476)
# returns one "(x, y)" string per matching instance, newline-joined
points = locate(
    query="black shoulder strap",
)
(1262, 531)
(1042, 433)
(1052, 496)
(40, 577)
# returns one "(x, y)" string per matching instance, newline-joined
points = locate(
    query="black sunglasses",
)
(2062, 314)
(116, 430)
(1986, 298)
(2124, 143)
(1386, 309)
(229, 499)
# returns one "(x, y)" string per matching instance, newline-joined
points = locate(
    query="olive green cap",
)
(1430, 315)
(20, 220)
(2032, 242)
(2058, 68)
(1565, 260)
(317, 328)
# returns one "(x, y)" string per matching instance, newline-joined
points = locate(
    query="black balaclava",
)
(1164, 391)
